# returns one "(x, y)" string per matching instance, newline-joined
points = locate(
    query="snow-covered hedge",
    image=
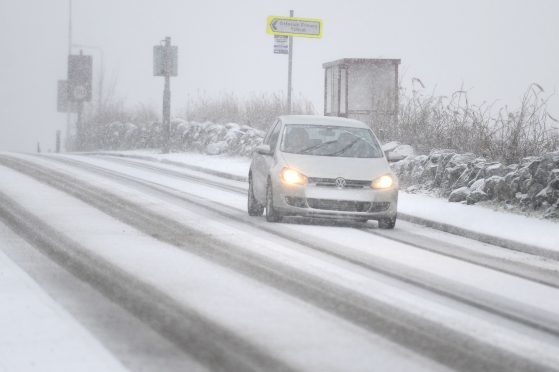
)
(213, 139)
(210, 138)
(531, 184)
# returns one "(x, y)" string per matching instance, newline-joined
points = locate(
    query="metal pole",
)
(57, 141)
(289, 70)
(68, 115)
(101, 77)
(69, 27)
(79, 128)
(167, 97)
(79, 124)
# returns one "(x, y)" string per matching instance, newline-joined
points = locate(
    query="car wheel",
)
(387, 223)
(254, 208)
(272, 215)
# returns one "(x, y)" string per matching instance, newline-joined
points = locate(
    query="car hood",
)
(334, 167)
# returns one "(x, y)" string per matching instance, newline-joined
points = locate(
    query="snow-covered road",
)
(175, 248)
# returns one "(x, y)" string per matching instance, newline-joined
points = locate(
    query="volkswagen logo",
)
(340, 183)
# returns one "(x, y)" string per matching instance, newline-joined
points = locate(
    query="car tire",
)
(387, 223)
(254, 208)
(272, 215)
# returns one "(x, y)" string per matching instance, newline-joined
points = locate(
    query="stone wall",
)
(532, 184)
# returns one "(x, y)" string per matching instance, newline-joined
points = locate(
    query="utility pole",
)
(289, 69)
(69, 27)
(167, 96)
(76, 89)
(68, 114)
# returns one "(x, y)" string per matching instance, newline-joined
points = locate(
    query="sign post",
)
(284, 29)
(165, 63)
(58, 134)
(289, 67)
(79, 88)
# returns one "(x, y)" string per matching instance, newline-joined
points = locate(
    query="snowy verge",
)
(522, 233)
(37, 333)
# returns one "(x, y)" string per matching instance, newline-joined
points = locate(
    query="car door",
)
(263, 163)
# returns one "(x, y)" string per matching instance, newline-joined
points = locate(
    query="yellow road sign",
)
(292, 26)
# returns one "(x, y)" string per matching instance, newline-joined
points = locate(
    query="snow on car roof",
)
(322, 120)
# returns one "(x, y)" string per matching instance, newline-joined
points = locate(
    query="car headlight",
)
(290, 176)
(383, 182)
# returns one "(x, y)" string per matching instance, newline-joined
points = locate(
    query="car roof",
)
(322, 120)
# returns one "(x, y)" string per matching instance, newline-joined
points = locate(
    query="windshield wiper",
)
(345, 148)
(314, 147)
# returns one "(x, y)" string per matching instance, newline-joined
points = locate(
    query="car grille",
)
(380, 206)
(339, 205)
(296, 201)
(331, 182)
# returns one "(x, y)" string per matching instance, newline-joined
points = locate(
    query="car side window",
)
(275, 136)
(270, 131)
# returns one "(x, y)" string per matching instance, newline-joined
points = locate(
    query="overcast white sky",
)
(495, 48)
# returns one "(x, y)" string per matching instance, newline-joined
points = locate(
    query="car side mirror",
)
(393, 157)
(264, 149)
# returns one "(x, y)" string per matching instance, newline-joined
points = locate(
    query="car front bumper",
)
(330, 202)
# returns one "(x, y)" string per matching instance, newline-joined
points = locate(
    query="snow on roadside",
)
(36, 333)
(527, 230)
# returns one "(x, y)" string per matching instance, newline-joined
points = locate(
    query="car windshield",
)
(336, 141)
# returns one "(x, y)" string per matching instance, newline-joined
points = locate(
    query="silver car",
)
(323, 167)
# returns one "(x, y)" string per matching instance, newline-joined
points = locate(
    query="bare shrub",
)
(258, 110)
(427, 121)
